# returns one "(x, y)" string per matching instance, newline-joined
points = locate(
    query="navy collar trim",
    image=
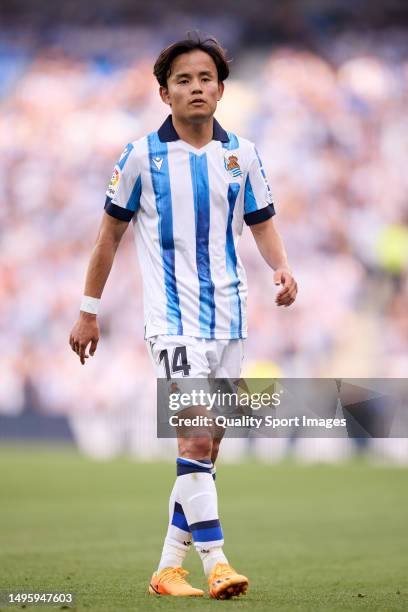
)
(167, 132)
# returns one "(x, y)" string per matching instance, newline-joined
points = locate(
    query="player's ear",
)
(164, 94)
(220, 90)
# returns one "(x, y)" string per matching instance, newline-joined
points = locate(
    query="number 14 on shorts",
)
(179, 362)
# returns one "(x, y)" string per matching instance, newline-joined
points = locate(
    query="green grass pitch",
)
(317, 538)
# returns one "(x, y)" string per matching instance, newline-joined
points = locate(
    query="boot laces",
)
(175, 574)
(223, 569)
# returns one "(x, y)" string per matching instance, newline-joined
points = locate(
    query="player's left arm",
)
(258, 213)
(272, 249)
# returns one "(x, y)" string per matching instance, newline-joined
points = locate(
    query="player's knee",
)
(199, 447)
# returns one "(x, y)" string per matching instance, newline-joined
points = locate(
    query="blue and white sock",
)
(198, 496)
(178, 538)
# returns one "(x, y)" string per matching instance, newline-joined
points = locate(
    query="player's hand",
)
(287, 295)
(85, 331)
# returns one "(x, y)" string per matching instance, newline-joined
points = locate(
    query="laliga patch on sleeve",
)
(113, 182)
(268, 195)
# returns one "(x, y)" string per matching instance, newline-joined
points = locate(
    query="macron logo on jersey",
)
(158, 161)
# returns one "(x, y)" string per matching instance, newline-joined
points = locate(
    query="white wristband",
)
(90, 304)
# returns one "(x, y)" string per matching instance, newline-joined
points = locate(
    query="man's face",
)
(193, 89)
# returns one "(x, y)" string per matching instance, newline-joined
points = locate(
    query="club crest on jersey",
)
(232, 165)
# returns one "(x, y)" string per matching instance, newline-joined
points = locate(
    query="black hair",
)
(162, 67)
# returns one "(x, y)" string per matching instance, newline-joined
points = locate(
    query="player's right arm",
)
(86, 329)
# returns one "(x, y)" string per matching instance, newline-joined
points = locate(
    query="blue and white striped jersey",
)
(188, 206)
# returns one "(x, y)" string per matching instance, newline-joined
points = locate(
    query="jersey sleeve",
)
(258, 203)
(125, 187)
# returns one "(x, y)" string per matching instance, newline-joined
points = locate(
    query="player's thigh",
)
(181, 366)
(178, 357)
(227, 372)
(231, 355)
(182, 371)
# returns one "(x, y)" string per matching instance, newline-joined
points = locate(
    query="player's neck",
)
(195, 134)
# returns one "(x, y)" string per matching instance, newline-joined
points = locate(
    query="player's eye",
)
(183, 81)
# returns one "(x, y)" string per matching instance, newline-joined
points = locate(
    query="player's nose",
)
(196, 87)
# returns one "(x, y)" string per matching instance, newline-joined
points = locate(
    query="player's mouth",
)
(198, 102)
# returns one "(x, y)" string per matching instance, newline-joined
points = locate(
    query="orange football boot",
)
(171, 581)
(224, 582)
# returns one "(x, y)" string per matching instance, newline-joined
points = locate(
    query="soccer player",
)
(188, 188)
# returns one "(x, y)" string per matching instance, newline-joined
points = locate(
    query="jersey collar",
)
(167, 132)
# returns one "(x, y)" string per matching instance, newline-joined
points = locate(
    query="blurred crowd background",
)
(322, 90)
